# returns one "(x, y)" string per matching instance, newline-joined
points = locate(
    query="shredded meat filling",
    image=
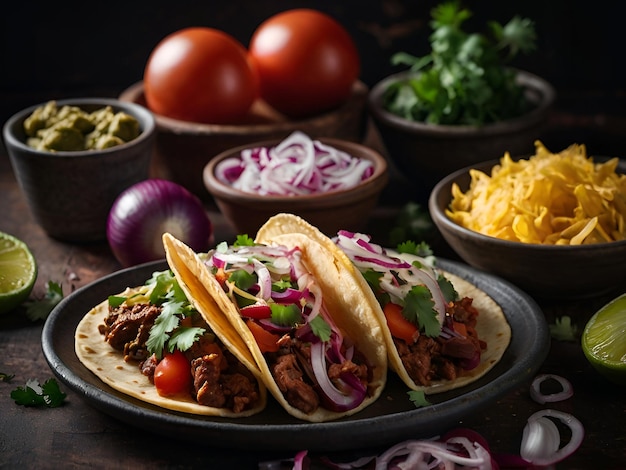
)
(291, 369)
(429, 359)
(219, 379)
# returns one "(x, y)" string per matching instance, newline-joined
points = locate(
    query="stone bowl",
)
(70, 193)
(348, 209)
(184, 148)
(543, 271)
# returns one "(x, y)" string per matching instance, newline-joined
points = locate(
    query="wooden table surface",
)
(77, 435)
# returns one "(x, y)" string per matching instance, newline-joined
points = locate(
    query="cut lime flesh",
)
(18, 272)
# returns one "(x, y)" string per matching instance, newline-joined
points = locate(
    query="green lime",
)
(604, 340)
(18, 272)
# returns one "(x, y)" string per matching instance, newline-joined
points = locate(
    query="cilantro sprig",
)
(40, 309)
(167, 333)
(33, 394)
(464, 80)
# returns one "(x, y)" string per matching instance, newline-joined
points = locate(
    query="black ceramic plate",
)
(392, 418)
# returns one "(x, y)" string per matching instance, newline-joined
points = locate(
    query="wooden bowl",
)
(184, 148)
(425, 153)
(347, 209)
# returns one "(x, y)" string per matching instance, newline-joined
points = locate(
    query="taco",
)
(441, 331)
(125, 340)
(318, 346)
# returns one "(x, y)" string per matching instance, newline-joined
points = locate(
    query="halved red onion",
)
(143, 212)
(541, 438)
(536, 394)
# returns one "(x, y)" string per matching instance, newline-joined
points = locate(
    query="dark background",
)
(54, 50)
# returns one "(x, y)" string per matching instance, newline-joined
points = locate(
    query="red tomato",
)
(172, 375)
(267, 341)
(306, 61)
(200, 75)
(399, 326)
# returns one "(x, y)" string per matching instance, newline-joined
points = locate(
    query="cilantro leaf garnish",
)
(33, 394)
(563, 329)
(183, 338)
(447, 289)
(373, 279)
(281, 285)
(421, 249)
(419, 310)
(418, 397)
(243, 240)
(165, 323)
(320, 328)
(40, 309)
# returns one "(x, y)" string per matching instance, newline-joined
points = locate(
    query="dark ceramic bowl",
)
(184, 148)
(425, 153)
(70, 193)
(544, 271)
(347, 209)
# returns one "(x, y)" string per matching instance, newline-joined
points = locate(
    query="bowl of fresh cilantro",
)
(463, 102)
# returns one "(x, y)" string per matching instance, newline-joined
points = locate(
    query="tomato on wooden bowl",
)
(306, 61)
(202, 75)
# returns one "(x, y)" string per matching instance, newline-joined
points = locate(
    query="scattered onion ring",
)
(536, 394)
(143, 212)
(541, 438)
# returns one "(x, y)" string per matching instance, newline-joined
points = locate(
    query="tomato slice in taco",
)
(317, 344)
(441, 331)
(152, 343)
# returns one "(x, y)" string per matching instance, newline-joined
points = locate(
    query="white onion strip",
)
(296, 166)
(541, 438)
(536, 394)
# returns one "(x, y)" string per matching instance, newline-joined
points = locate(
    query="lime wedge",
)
(18, 272)
(604, 340)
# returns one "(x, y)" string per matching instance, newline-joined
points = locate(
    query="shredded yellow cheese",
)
(562, 199)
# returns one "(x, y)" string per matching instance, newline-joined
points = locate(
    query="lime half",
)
(604, 340)
(18, 272)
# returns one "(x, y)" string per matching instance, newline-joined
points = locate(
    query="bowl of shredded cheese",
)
(554, 224)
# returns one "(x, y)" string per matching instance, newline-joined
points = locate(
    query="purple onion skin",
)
(142, 213)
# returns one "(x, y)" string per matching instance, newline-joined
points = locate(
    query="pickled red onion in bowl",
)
(332, 183)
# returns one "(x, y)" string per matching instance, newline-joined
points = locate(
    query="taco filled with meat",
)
(318, 346)
(441, 331)
(153, 343)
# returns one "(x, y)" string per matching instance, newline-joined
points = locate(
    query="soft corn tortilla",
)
(492, 326)
(343, 297)
(109, 366)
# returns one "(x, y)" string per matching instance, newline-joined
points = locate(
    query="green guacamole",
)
(70, 128)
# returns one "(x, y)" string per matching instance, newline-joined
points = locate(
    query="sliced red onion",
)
(299, 460)
(289, 295)
(298, 165)
(536, 394)
(541, 438)
(143, 212)
(338, 400)
(272, 327)
(367, 255)
(419, 452)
